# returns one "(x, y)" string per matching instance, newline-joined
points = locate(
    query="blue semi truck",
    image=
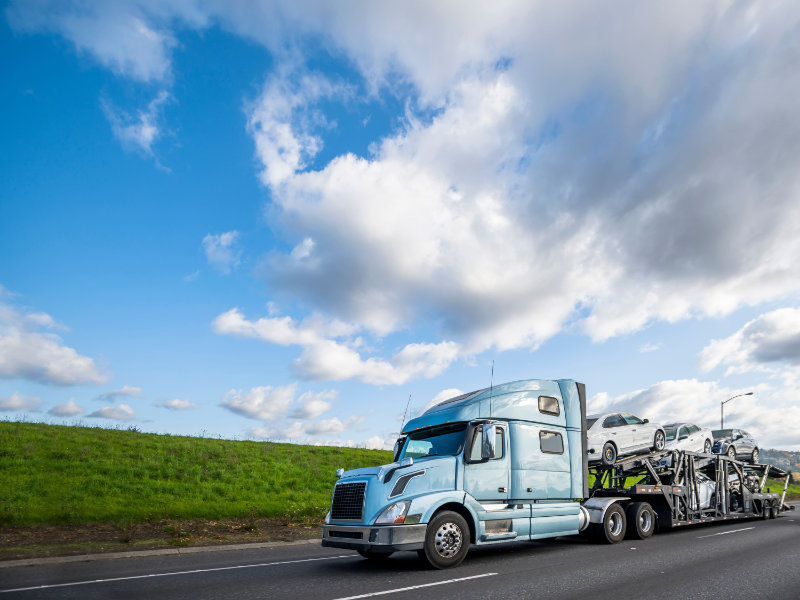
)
(509, 463)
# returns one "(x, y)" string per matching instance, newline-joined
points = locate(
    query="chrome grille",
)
(348, 500)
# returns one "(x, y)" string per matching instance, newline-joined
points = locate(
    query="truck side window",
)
(551, 442)
(549, 405)
(475, 444)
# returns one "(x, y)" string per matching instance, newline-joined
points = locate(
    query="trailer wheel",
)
(446, 541)
(641, 521)
(612, 529)
(609, 455)
(773, 511)
(373, 555)
(766, 513)
(659, 441)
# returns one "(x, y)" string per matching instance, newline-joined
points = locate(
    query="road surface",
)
(743, 559)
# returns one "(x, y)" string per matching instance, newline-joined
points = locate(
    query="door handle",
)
(502, 490)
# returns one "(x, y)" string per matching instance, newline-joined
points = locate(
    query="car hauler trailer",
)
(509, 463)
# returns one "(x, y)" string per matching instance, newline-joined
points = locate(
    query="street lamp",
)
(721, 404)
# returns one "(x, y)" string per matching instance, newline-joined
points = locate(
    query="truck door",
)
(487, 481)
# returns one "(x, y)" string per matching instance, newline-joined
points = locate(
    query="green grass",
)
(54, 474)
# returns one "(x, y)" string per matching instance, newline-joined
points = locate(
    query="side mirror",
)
(488, 435)
(406, 462)
(647, 420)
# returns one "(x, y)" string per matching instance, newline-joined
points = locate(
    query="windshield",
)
(671, 433)
(443, 440)
(722, 433)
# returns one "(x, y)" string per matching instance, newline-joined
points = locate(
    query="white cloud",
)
(306, 430)
(178, 404)
(126, 391)
(120, 35)
(66, 409)
(265, 402)
(121, 412)
(17, 402)
(312, 405)
(222, 251)
(766, 343)
(331, 360)
(29, 351)
(645, 348)
(137, 132)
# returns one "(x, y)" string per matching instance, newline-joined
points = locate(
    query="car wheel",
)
(641, 520)
(707, 447)
(613, 527)
(373, 555)
(734, 502)
(659, 441)
(732, 452)
(754, 458)
(609, 455)
(446, 541)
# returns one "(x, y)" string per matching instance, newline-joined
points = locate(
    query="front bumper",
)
(378, 538)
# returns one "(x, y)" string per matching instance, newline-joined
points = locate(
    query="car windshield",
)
(671, 433)
(443, 440)
(590, 422)
(722, 433)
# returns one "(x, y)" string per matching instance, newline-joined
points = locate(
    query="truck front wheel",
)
(613, 527)
(446, 540)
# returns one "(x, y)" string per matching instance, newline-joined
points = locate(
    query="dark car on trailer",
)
(736, 443)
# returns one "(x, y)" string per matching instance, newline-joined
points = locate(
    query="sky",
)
(302, 220)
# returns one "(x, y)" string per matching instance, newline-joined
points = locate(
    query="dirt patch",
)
(65, 540)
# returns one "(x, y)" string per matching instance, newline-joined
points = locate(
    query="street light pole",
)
(721, 404)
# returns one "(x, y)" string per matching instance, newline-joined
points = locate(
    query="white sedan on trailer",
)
(611, 435)
(687, 436)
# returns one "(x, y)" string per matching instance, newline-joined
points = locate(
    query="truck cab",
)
(500, 464)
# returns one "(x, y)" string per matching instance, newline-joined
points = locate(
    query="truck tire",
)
(612, 529)
(659, 441)
(609, 455)
(641, 520)
(446, 541)
(766, 513)
(373, 555)
(773, 511)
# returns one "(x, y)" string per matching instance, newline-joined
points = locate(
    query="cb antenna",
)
(404, 414)
(491, 390)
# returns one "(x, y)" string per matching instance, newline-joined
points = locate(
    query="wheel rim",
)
(732, 452)
(615, 524)
(448, 540)
(755, 456)
(659, 441)
(645, 521)
(609, 454)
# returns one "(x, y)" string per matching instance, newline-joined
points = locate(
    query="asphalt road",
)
(744, 559)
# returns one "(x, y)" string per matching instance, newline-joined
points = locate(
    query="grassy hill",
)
(53, 474)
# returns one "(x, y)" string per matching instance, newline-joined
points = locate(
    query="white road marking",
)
(416, 587)
(284, 562)
(725, 532)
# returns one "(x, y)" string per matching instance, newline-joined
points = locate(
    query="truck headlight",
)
(396, 513)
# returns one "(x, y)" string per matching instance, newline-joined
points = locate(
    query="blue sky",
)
(279, 220)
